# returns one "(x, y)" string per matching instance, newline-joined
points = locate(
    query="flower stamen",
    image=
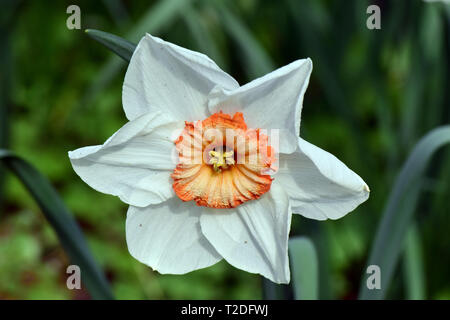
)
(220, 160)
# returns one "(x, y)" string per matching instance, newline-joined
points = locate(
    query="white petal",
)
(164, 76)
(167, 237)
(253, 237)
(273, 101)
(135, 163)
(319, 185)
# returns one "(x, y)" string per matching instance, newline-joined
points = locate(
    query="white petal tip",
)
(366, 188)
(309, 62)
(72, 155)
(306, 62)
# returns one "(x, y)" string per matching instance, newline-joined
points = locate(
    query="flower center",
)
(222, 163)
(221, 160)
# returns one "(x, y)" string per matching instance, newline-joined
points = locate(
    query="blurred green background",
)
(372, 95)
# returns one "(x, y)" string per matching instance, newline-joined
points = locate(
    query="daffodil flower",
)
(188, 212)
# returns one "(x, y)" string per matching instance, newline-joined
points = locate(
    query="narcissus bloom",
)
(213, 170)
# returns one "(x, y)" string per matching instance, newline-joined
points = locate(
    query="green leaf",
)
(123, 48)
(413, 266)
(274, 291)
(62, 221)
(398, 214)
(304, 268)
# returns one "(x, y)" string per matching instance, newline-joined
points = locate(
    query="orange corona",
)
(222, 163)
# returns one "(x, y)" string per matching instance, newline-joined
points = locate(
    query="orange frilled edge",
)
(195, 179)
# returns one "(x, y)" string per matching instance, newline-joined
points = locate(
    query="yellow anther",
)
(221, 160)
(215, 154)
(228, 154)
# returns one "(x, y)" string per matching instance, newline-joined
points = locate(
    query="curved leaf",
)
(398, 214)
(62, 221)
(123, 48)
(304, 268)
(413, 266)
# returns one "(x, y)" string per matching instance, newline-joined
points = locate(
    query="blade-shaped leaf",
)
(398, 214)
(413, 266)
(274, 291)
(62, 221)
(304, 268)
(123, 48)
